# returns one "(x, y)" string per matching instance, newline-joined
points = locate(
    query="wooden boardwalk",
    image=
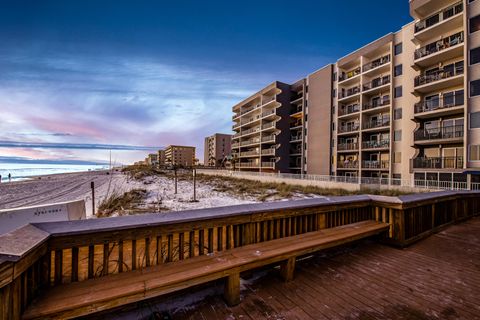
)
(437, 278)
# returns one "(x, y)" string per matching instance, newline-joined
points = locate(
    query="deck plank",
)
(437, 278)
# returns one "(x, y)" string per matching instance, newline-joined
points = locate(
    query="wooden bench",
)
(94, 295)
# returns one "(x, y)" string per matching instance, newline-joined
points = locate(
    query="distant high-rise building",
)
(183, 156)
(217, 148)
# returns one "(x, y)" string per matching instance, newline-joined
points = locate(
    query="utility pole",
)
(92, 185)
(194, 185)
(175, 177)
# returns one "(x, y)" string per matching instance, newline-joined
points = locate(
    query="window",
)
(475, 88)
(475, 56)
(398, 70)
(398, 92)
(474, 120)
(334, 76)
(397, 157)
(397, 135)
(475, 24)
(475, 152)
(398, 49)
(397, 114)
(470, 1)
(334, 93)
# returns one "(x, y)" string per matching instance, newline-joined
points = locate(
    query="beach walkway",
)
(437, 278)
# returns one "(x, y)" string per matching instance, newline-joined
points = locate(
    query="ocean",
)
(22, 171)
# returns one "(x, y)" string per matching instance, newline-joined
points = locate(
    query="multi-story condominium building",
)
(182, 156)
(217, 148)
(161, 157)
(404, 107)
(152, 159)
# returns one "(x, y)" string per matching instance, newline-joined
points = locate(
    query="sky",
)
(79, 78)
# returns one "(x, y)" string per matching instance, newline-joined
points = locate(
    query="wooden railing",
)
(40, 256)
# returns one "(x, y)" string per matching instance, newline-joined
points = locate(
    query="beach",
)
(76, 186)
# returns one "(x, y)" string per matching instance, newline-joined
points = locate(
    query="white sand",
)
(76, 186)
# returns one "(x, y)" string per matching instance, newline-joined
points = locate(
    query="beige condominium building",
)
(161, 157)
(183, 156)
(217, 148)
(152, 159)
(405, 107)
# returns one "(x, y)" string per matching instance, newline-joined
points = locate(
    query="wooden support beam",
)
(287, 269)
(232, 289)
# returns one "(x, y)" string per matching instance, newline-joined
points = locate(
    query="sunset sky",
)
(78, 78)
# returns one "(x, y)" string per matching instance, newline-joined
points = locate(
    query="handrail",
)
(48, 254)
(454, 100)
(439, 45)
(439, 16)
(444, 132)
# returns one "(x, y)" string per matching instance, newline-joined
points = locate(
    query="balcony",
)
(375, 144)
(376, 124)
(268, 152)
(376, 63)
(248, 165)
(270, 138)
(347, 164)
(296, 138)
(440, 22)
(438, 135)
(250, 131)
(249, 142)
(296, 112)
(270, 125)
(268, 164)
(350, 109)
(450, 103)
(376, 164)
(350, 74)
(349, 128)
(349, 93)
(347, 146)
(437, 163)
(376, 104)
(375, 84)
(235, 145)
(441, 50)
(450, 75)
(268, 113)
(254, 153)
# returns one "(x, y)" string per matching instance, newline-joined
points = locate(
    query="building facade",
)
(404, 107)
(152, 159)
(181, 156)
(217, 149)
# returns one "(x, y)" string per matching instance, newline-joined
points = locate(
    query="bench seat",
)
(94, 295)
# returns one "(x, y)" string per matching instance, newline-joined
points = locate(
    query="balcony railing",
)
(249, 153)
(347, 146)
(253, 141)
(349, 74)
(270, 151)
(376, 63)
(438, 163)
(267, 113)
(268, 164)
(439, 75)
(348, 164)
(376, 124)
(349, 109)
(349, 92)
(294, 137)
(373, 144)
(268, 138)
(349, 128)
(296, 125)
(235, 145)
(439, 45)
(376, 104)
(447, 101)
(439, 17)
(375, 164)
(447, 132)
(296, 110)
(248, 165)
(268, 125)
(252, 130)
(376, 83)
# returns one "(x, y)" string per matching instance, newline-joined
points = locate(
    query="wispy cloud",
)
(86, 146)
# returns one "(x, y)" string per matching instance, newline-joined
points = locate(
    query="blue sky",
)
(153, 73)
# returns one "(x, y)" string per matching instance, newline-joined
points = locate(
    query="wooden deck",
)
(437, 278)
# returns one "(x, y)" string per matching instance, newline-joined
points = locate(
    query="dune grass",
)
(121, 203)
